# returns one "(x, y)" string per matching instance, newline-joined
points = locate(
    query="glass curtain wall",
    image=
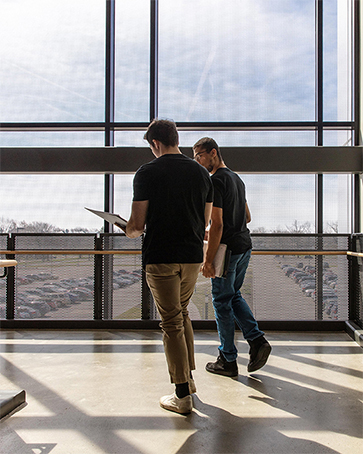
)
(271, 73)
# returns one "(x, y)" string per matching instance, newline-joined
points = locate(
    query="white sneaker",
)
(173, 403)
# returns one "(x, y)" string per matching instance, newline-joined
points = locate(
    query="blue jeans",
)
(230, 306)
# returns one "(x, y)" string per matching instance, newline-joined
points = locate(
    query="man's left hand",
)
(208, 270)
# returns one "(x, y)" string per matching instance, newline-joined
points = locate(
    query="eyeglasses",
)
(197, 155)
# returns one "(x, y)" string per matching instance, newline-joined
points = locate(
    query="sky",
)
(275, 201)
(235, 60)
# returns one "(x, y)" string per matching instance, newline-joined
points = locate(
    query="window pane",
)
(53, 203)
(225, 138)
(337, 138)
(123, 195)
(336, 207)
(337, 60)
(52, 60)
(130, 139)
(281, 203)
(250, 138)
(220, 61)
(132, 60)
(50, 139)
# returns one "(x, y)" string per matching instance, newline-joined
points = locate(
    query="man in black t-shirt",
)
(172, 203)
(230, 215)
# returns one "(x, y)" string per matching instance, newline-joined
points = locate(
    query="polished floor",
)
(97, 392)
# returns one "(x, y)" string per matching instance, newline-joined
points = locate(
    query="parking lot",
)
(62, 288)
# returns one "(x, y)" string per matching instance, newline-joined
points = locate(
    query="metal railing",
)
(85, 277)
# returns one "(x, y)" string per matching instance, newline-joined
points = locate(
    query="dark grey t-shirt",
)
(177, 189)
(230, 195)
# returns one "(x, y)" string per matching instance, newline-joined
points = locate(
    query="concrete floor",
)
(98, 392)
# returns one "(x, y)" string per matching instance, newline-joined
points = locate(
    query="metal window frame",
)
(109, 126)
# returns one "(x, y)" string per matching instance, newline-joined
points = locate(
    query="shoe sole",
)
(176, 410)
(222, 372)
(261, 359)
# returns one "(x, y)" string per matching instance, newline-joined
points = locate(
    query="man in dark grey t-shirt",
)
(230, 215)
(172, 203)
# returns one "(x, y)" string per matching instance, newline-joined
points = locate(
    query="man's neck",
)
(219, 165)
(168, 150)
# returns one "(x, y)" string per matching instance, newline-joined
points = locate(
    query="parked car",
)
(61, 299)
(26, 312)
(48, 289)
(309, 269)
(80, 294)
(41, 306)
(290, 270)
(308, 285)
(298, 276)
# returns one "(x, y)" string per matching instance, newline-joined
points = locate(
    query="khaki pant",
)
(172, 285)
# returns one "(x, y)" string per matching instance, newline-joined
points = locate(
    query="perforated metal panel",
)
(3, 243)
(122, 290)
(54, 286)
(275, 291)
(359, 290)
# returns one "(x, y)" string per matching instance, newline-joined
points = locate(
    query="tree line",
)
(11, 226)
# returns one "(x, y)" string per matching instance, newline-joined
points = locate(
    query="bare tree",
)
(296, 227)
(7, 225)
(80, 230)
(333, 227)
(37, 227)
(260, 230)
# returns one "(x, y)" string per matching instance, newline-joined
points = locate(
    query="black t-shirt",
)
(177, 189)
(230, 195)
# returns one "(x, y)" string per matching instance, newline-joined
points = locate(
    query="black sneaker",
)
(223, 367)
(260, 350)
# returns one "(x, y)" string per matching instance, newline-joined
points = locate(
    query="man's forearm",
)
(136, 224)
(214, 239)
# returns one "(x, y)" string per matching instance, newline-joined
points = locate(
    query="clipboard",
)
(112, 218)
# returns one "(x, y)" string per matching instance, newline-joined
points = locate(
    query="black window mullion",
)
(319, 71)
(109, 102)
(109, 187)
(154, 47)
(356, 195)
(319, 141)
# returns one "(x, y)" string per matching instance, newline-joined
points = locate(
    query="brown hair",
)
(207, 144)
(163, 130)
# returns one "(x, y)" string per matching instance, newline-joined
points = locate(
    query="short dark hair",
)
(163, 130)
(207, 144)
